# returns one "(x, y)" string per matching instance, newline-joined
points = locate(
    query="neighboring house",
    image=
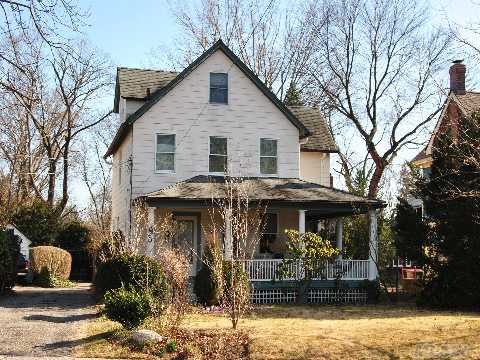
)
(181, 132)
(25, 242)
(459, 104)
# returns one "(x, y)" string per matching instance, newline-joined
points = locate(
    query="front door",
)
(187, 239)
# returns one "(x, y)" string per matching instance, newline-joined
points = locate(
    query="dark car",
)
(22, 264)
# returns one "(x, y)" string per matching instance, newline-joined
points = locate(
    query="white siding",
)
(315, 167)
(185, 111)
(121, 190)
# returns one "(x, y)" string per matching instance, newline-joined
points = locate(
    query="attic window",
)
(218, 88)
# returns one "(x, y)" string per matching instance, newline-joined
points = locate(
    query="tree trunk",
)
(52, 170)
(375, 180)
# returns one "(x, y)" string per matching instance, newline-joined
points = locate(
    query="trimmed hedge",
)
(206, 290)
(134, 272)
(57, 261)
(129, 307)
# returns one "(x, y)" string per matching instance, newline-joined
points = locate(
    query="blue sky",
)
(127, 31)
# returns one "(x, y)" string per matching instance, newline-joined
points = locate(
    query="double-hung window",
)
(270, 231)
(219, 88)
(218, 154)
(165, 153)
(268, 157)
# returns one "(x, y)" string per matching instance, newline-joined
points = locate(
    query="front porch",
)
(293, 204)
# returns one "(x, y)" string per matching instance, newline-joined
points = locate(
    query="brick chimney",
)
(457, 77)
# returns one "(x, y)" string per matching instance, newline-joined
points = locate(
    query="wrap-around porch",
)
(294, 204)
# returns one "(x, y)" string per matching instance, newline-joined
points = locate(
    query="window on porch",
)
(270, 232)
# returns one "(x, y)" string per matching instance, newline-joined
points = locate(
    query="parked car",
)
(22, 264)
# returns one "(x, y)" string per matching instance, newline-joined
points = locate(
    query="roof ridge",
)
(145, 69)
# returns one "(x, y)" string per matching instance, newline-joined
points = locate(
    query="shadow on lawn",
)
(71, 344)
(339, 312)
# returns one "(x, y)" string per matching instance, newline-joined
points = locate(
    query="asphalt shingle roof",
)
(470, 101)
(204, 187)
(133, 83)
(321, 138)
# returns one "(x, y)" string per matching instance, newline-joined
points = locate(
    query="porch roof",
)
(200, 190)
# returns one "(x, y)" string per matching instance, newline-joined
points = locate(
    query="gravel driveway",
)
(41, 322)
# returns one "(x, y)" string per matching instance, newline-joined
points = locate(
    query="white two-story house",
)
(182, 132)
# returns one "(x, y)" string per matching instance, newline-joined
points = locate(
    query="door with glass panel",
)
(186, 239)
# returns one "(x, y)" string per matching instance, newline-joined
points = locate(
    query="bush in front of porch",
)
(312, 253)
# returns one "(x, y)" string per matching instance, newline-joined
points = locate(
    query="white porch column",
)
(228, 245)
(301, 221)
(372, 265)
(339, 233)
(150, 245)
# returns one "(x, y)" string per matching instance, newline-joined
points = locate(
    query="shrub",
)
(205, 289)
(45, 279)
(134, 272)
(372, 288)
(73, 235)
(57, 261)
(129, 307)
(9, 250)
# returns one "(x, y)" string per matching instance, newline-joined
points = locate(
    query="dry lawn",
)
(328, 332)
(380, 332)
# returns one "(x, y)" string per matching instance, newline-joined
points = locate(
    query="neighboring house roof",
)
(271, 190)
(17, 232)
(467, 103)
(162, 91)
(321, 138)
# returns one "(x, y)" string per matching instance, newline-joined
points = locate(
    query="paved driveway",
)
(37, 322)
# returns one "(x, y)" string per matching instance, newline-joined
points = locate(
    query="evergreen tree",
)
(409, 232)
(451, 196)
(293, 96)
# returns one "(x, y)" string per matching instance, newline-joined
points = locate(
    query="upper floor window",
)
(165, 153)
(218, 154)
(268, 156)
(219, 88)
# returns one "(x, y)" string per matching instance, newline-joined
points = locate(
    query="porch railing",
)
(267, 270)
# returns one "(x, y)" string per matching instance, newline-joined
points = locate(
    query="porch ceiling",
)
(275, 193)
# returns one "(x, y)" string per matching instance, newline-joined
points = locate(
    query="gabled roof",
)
(321, 138)
(162, 91)
(467, 103)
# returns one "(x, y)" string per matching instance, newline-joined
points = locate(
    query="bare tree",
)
(51, 20)
(54, 94)
(375, 66)
(270, 41)
(239, 220)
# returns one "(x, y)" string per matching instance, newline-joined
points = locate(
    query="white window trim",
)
(277, 213)
(210, 87)
(174, 155)
(260, 157)
(208, 158)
